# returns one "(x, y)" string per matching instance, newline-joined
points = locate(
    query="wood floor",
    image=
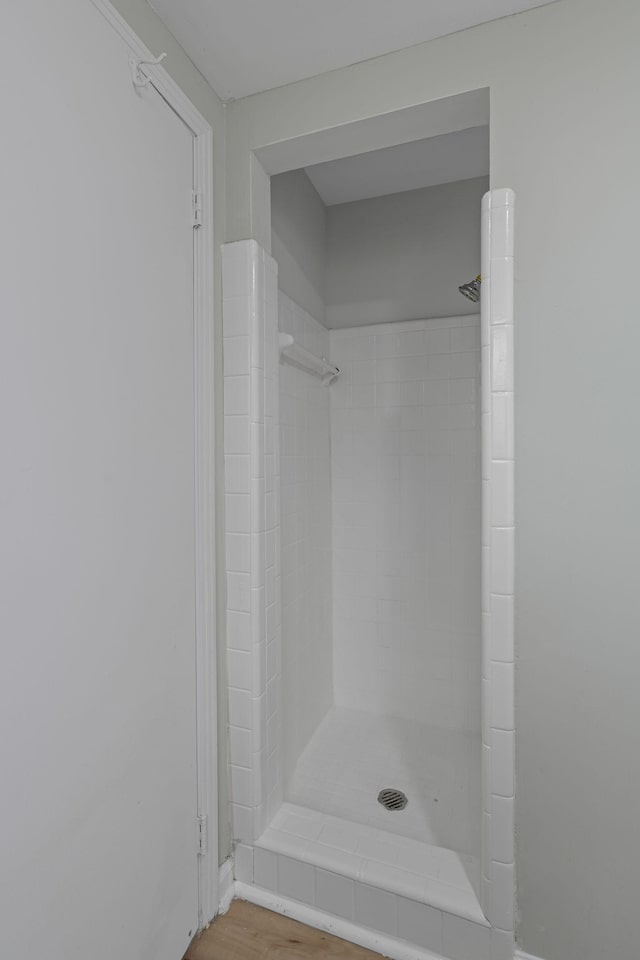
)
(248, 932)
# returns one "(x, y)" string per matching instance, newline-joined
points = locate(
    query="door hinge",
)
(203, 834)
(196, 208)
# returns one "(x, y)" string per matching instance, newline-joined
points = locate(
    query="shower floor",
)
(353, 755)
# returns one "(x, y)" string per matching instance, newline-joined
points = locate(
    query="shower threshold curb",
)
(426, 886)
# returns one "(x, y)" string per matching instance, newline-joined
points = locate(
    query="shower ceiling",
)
(245, 46)
(461, 155)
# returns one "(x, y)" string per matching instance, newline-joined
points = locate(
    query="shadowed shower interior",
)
(380, 513)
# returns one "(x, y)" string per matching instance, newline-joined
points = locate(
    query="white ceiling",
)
(423, 163)
(245, 46)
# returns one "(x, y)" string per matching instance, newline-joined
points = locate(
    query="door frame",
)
(206, 816)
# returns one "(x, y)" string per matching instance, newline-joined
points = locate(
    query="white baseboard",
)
(378, 942)
(521, 955)
(226, 885)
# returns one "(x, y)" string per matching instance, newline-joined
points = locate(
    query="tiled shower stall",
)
(370, 613)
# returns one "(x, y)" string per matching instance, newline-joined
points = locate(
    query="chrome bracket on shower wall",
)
(319, 366)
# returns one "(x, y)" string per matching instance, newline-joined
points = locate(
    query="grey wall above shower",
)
(403, 256)
(397, 257)
(298, 240)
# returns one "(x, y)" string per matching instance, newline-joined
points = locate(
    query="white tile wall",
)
(420, 924)
(376, 909)
(335, 894)
(405, 437)
(305, 506)
(463, 940)
(296, 879)
(498, 535)
(252, 536)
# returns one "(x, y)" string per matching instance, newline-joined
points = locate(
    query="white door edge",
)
(206, 690)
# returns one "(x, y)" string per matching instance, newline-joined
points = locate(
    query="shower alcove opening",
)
(336, 618)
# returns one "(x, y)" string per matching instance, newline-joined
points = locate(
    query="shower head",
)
(472, 290)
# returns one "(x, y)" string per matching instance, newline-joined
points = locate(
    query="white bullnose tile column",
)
(498, 727)
(250, 321)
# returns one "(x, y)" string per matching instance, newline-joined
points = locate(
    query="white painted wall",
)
(305, 511)
(405, 458)
(97, 507)
(155, 35)
(298, 240)
(403, 256)
(304, 42)
(564, 84)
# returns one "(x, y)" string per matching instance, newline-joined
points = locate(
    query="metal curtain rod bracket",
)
(319, 366)
(140, 79)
